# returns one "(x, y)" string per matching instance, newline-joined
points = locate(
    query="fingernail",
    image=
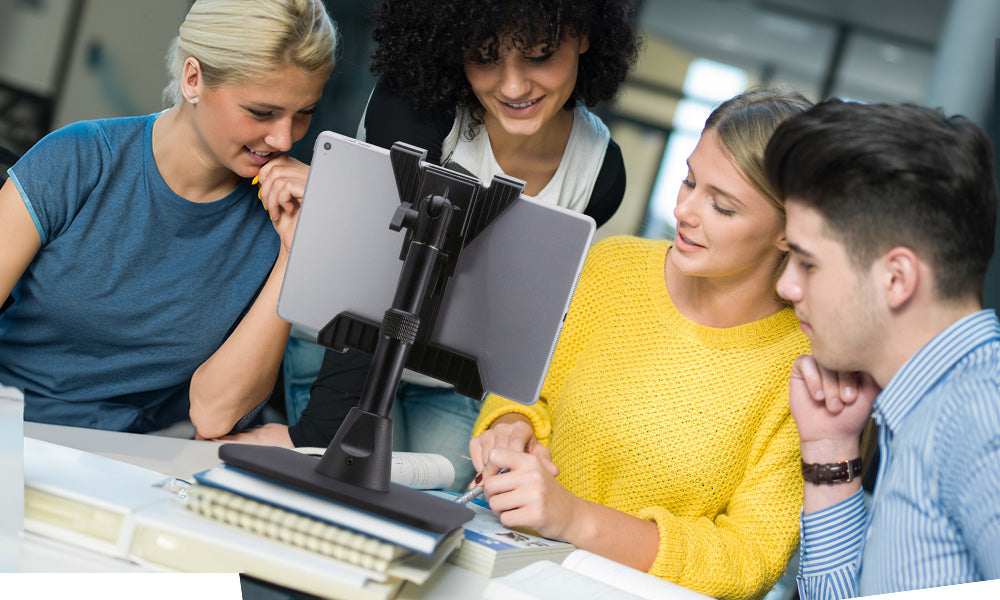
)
(819, 395)
(478, 479)
(256, 180)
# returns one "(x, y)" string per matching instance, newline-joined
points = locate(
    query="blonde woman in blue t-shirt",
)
(144, 271)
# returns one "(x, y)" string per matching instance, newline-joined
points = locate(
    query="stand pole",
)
(361, 452)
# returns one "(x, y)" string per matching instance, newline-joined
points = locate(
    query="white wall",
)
(128, 78)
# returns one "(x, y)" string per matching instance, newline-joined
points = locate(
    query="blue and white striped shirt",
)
(935, 515)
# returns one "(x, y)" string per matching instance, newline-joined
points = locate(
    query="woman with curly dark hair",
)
(497, 87)
(486, 87)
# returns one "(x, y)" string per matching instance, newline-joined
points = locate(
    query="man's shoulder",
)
(967, 399)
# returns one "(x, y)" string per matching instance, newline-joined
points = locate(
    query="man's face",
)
(836, 303)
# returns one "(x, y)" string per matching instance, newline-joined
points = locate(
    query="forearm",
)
(241, 373)
(496, 407)
(613, 534)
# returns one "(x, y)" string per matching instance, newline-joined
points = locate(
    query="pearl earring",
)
(193, 100)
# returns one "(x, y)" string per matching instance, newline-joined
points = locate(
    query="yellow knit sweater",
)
(688, 426)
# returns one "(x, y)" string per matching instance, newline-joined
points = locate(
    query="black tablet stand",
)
(442, 211)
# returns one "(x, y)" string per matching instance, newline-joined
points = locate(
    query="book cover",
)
(492, 549)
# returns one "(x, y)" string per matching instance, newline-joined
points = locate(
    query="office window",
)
(707, 84)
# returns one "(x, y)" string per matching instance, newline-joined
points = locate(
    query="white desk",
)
(179, 458)
(172, 456)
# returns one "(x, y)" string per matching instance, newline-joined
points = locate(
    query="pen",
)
(476, 491)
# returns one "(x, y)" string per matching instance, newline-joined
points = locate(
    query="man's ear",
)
(902, 275)
(192, 80)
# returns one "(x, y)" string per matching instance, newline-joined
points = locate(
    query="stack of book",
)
(229, 521)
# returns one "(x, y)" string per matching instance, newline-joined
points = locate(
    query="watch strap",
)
(838, 472)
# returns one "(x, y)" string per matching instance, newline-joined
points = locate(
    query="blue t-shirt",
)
(133, 287)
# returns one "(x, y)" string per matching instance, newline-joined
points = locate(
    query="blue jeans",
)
(437, 420)
(300, 368)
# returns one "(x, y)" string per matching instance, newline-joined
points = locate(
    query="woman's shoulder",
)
(589, 131)
(624, 255)
(590, 121)
(98, 133)
(628, 244)
(782, 331)
(389, 117)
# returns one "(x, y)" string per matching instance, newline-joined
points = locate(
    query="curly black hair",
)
(422, 45)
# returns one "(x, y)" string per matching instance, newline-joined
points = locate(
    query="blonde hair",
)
(237, 40)
(744, 125)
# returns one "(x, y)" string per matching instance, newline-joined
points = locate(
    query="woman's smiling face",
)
(244, 126)
(522, 89)
(725, 227)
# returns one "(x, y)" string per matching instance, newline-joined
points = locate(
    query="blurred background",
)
(67, 60)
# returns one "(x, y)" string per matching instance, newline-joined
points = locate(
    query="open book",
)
(492, 549)
(418, 470)
(584, 576)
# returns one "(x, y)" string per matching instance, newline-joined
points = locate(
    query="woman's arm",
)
(741, 551)
(19, 238)
(528, 495)
(241, 373)
(738, 553)
(337, 389)
(609, 188)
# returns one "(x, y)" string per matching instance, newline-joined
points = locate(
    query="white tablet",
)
(505, 303)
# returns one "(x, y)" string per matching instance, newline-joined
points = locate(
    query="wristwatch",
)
(839, 472)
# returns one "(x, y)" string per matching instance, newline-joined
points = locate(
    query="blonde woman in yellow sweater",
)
(662, 438)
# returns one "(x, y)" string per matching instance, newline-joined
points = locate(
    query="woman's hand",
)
(269, 434)
(282, 185)
(512, 431)
(528, 495)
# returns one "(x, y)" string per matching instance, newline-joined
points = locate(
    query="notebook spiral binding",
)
(292, 528)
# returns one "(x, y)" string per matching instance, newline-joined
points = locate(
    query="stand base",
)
(401, 504)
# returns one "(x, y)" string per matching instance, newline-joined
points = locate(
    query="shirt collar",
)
(925, 368)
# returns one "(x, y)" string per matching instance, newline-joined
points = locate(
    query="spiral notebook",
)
(317, 536)
(285, 526)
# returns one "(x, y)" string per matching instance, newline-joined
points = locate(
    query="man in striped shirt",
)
(890, 219)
